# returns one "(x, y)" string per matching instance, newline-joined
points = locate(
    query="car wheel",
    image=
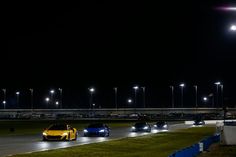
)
(76, 135)
(68, 137)
(44, 139)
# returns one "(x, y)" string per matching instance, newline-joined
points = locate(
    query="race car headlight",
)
(44, 134)
(65, 134)
(133, 128)
(102, 130)
(155, 126)
(145, 128)
(165, 126)
(85, 130)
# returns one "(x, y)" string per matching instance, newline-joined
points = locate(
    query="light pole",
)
(217, 95)
(135, 95)
(60, 90)
(32, 98)
(51, 94)
(172, 96)
(17, 98)
(222, 95)
(91, 90)
(212, 99)
(4, 98)
(196, 105)
(144, 96)
(182, 94)
(115, 88)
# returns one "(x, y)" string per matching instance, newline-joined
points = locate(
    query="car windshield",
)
(95, 126)
(140, 125)
(58, 127)
(160, 123)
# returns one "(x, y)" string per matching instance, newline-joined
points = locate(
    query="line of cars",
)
(66, 132)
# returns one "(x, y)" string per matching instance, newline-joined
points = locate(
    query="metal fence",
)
(196, 149)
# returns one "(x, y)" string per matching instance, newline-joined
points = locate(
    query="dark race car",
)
(199, 122)
(161, 125)
(141, 127)
(98, 129)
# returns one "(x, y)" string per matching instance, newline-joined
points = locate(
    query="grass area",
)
(161, 145)
(34, 127)
(220, 151)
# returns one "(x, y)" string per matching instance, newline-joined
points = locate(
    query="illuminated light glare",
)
(227, 8)
(91, 89)
(233, 28)
(43, 145)
(133, 134)
(182, 85)
(63, 144)
(102, 130)
(85, 130)
(47, 99)
(145, 128)
(84, 139)
(101, 139)
(155, 131)
(129, 100)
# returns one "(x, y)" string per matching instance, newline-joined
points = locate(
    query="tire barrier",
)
(197, 148)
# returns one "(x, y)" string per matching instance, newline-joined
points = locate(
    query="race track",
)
(11, 145)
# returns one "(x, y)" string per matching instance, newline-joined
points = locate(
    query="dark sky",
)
(119, 43)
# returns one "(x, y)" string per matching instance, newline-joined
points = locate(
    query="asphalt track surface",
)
(33, 143)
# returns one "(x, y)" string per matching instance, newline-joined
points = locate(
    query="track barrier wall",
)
(197, 148)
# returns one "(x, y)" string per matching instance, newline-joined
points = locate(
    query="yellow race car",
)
(60, 132)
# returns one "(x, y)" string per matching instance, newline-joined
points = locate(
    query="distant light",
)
(4, 102)
(91, 90)
(182, 85)
(233, 28)
(205, 98)
(129, 100)
(57, 103)
(135, 87)
(217, 83)
(17, 93)
(47, 99)
(52, 91)
(93, 104)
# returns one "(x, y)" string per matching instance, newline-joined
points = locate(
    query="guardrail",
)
(197, 148)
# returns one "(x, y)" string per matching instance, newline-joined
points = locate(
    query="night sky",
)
(106, 44)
